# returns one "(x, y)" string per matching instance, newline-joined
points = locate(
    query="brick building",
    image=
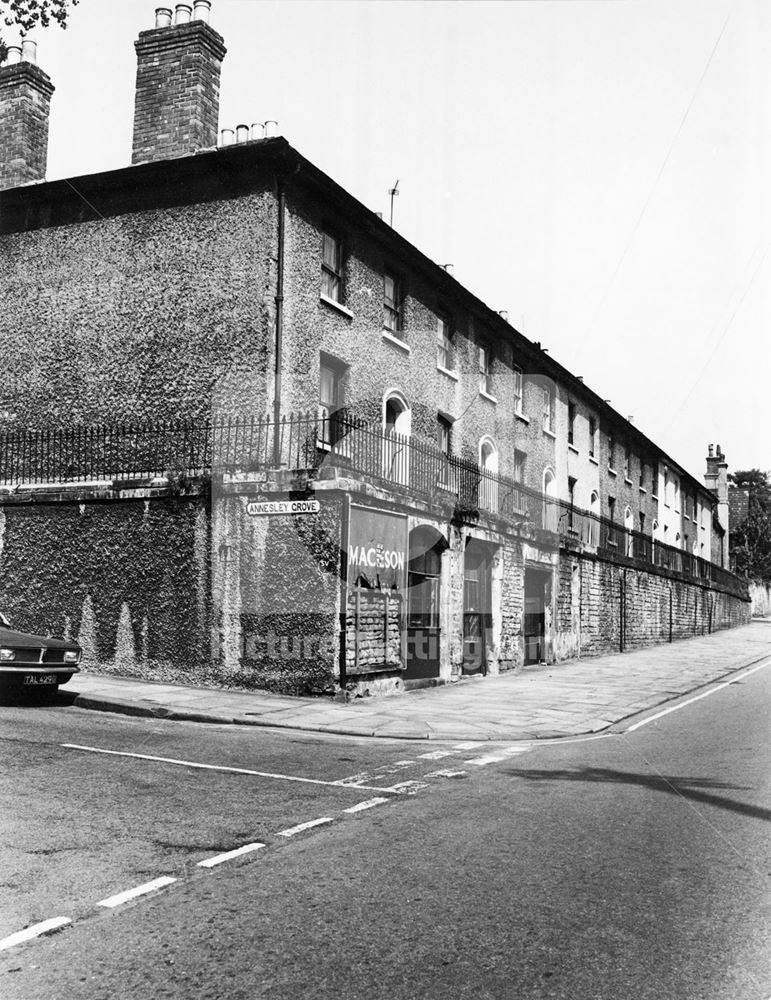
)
(404, 489)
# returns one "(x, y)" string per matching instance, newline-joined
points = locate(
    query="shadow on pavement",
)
(687, 787)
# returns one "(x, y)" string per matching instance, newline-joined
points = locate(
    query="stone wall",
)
(760, 595)
(603, 607)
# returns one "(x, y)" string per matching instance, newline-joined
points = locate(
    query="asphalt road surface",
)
(635, 865)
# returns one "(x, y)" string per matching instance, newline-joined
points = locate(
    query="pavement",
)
(571, 698)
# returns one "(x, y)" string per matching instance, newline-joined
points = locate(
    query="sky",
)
(601, 169)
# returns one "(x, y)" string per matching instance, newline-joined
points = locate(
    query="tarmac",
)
(568, 699)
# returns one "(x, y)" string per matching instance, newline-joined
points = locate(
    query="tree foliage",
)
(750, 542)
(24, 15)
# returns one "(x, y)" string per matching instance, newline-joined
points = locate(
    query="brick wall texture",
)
(176, 107)
(25, 100)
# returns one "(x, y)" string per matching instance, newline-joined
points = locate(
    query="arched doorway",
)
(423, 603)
(488, 464)
(550, 507)
(397, 422)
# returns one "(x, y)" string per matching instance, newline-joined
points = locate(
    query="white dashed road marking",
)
(436, 754)
(481, 761)
(364, 805)
(408, 787)
(445, 774)
(36, 930)
(467, 746)
(304, 826)
(510, 751)
(140, 890)
(219, 858)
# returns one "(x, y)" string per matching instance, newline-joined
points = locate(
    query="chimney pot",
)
(242, 133)
(29, 51)
(14, 54)
(182, 13)
(226, 137)
(163, 17)
(258, 130)
(201, 10)
(268, 129)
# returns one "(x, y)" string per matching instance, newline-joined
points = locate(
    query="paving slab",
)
(543, 702)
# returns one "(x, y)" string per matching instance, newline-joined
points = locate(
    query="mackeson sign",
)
(377, 549)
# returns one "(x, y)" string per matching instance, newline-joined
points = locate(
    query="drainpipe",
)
(670, 614)
(343, 620)
(622, 610)
(279, 340)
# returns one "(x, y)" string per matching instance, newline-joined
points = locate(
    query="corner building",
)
(403, 488)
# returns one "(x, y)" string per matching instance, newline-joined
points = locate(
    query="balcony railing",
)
(312, 442)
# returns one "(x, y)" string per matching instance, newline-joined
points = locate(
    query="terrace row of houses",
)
(414, 488)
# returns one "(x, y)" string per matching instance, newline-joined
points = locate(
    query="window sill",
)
(593, 460)
(643, 490)
(336, 305)
(572, 447)
(387, 335)
(612, 472)
(654, 497)
(627, 480)
(487, 396)
(446, 371)
(522, 417)
(550, 434)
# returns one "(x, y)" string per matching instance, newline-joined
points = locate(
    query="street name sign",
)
(258, 507)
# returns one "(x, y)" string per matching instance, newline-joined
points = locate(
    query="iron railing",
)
(313, 442)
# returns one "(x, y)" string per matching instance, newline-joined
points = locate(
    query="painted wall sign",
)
(377, 549)
(257, 507)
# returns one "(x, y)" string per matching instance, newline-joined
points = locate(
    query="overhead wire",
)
(662, 168)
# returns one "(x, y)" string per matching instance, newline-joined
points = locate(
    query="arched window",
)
(550, 505)
(628, 529)
(397, 423)
(488, 464)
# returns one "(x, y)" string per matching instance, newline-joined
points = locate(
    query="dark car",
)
(30, 661)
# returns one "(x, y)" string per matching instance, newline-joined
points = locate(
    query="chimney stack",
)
(176, 110)
(716, 480)
(25, 102)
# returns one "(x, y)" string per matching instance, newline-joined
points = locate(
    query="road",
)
(635, 865)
